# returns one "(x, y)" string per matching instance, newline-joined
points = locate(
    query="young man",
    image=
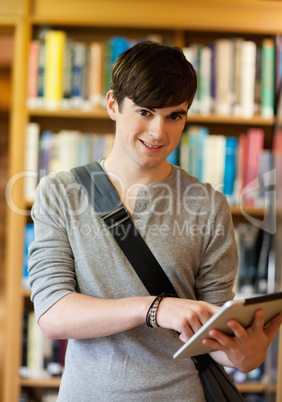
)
(83, 287)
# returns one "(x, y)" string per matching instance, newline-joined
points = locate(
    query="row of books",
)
(236, 76)
(254, 246)
(235, 166)
(68, 73)
(50, 152)
(41, 357)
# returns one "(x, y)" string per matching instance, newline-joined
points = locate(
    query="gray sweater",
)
(188, 227)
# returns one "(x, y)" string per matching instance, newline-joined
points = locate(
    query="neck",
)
(128, 180)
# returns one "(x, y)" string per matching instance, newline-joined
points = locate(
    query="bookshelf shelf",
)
(100, 113)
(252, 387)
(97, 113)
(53, 382)
(210, 119)
(235, 210)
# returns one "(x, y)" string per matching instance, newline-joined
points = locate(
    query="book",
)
(192, 55)
(55, 45)
(67, 75)
(247, 237)
(267, 81)
(230, 168)
(33, 73)
(204, 79)
(41, 74)
(28, 239)
(183, 151)
(31, 160)
(45, 149)
(35, 348)
(278, 67)
(237, 108)
(241, 160)
(255, 142)
(248, 78)
(258, 80)
(173, 158)
(79, 66)
(214, 160)
(224, 64)
(96, 61)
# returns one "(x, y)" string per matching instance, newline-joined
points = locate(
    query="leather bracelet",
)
(152, 312)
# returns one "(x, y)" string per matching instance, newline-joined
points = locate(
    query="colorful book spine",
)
(33, 73)
(230, 168)
(28, 239)
(255, 142)
(268, 74)
(55, 49)
(173, 158)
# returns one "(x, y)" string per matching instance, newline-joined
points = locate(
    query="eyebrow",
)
(177, 111)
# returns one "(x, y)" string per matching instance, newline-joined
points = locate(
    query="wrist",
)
(151, 316)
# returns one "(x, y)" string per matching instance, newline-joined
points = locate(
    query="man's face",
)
(145, 137)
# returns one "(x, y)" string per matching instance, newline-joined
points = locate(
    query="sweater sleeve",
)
(51, 264)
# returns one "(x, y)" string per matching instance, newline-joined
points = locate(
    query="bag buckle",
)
(116, 217)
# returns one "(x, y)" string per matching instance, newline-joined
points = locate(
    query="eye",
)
(175, 116)
(144, 112)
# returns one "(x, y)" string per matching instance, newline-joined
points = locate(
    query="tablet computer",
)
(241, 310)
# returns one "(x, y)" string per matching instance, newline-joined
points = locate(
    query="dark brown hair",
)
(153, 76)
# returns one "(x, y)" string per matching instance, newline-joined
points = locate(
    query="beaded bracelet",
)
(152, 312)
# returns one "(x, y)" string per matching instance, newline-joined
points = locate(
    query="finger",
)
(186, 334)
(216, 344)
(238, 330)
(272, 327)
(258, 322)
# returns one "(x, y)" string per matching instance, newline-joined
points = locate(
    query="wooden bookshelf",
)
(177, 20)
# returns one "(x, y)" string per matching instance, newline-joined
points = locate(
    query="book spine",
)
(267, 84)
(224, 65)
(41, 74)
(248, 77)
(55, 45)
(230, 168)
(28, 239)
(255, 141)
(33, 73)
(67, 75)
(96, 73)
(79, 51)
(31, 160)
(205, 69)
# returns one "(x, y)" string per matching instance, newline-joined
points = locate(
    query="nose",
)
(157, 128)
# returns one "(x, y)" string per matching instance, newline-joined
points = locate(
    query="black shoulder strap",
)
(105, 200)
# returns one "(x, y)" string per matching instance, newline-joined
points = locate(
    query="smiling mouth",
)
(150, 146)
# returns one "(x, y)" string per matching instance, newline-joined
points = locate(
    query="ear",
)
(112, 105)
